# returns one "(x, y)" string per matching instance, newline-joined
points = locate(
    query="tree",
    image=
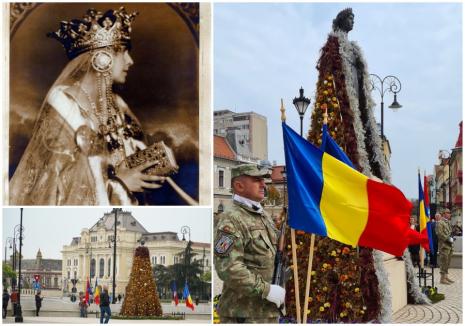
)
(141, 297)
(274, 196)
(8, 273)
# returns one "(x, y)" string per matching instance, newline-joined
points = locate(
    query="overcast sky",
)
(51, 228)
(265, 52)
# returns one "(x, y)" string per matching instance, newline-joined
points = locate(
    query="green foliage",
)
(8, 272)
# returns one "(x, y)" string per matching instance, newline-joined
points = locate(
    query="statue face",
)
(347, 24)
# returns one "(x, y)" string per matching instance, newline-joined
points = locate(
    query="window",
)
(221, 178)
(69, 275)
(92, 268)
(93, 239)
(109, 267)
(176, 259)
(75, 274)
(206, 262)
(68, 262)
(55, 282)
(162, 260)
(101, 268)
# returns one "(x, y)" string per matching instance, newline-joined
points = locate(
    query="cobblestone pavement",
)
(77, 320)
(448, 310)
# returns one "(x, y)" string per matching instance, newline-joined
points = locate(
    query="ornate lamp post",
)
(301, 104)
(8, 241)
(448, 156)
(186, 230)
(89, 251)
(19, 313)
(383, 85)
(115, 210)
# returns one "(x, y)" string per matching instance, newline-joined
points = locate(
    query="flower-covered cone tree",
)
(141, 297)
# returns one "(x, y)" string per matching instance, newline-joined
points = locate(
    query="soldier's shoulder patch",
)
(224, 244)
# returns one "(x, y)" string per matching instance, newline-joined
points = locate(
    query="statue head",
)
(344, 20)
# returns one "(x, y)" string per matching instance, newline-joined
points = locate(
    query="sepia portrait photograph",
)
(108, 104)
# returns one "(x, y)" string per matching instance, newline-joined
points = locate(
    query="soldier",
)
(445, 244)
(245, 248)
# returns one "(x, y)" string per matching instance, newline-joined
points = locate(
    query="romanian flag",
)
(330, 198)
(97, 293)
(88, 291)
(425, 225)
(175, 293)
(187, 297)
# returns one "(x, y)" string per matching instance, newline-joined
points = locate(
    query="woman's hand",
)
(135, 180)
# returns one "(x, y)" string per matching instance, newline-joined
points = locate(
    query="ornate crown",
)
(95, 30)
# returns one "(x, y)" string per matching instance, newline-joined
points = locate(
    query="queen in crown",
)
(85, 132)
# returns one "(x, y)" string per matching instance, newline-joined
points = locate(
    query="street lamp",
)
(441, 151)
(186, 230)
(387, 84)
(301, 104)
(89, 251)
(8, 241)
(19, 313)
(115, 210)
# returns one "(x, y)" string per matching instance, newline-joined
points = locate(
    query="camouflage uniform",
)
(444, 232)
(245, 248)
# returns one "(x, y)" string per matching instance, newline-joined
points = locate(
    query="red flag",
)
(87, 291)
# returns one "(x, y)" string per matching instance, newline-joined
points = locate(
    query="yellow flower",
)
(313, 273)
(325, 265)
(325, 288)
(356, 290)
(334, 98)
(327, 304)
(322, 308)
(310, 299)
(341, 314)
(348, 305)
(325, 92)
(333, 253)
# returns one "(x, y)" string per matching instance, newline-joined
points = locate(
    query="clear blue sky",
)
(51, 228)
(266, 51)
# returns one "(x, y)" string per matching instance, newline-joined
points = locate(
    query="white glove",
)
(451, 240)
(276, 295)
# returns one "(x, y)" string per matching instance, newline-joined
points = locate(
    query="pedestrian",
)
(105, 311)
(446, 246)
(119, 297)
(38, 299)
(82, 305)
(414, 249)
(245, 249)
(5, 299)
(14, 300)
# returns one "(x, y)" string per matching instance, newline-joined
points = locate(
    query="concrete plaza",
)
(447, 311)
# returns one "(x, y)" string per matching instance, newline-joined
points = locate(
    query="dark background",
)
(161, 87)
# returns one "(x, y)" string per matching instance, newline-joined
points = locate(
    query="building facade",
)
(247, 133)
(48, 270)
(90, 256)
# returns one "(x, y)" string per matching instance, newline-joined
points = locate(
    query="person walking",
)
(38, 299)
(446, 246)
(5, 299)
(82, 305)
(105, 311)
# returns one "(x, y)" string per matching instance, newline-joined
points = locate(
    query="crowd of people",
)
(444, 234)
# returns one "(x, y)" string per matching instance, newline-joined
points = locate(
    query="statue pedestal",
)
(398, 281)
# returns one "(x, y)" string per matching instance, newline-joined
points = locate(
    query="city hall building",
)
(90, 255)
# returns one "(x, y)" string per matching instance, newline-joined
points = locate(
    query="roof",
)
(156, 236)
(125, 220)
(222, 148)
(47, 264)
(276, 174)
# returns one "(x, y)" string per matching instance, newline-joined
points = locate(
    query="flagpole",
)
(432, 249)
(293, 246)
(422, 253)
(310, 254)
